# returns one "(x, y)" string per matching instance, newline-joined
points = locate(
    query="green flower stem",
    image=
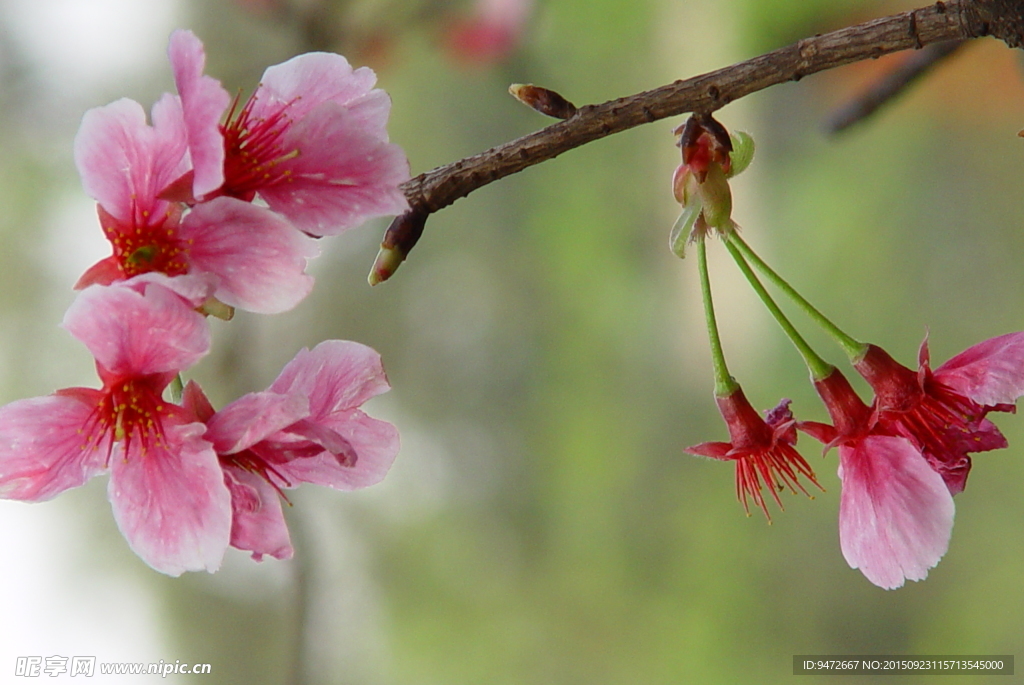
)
(818, 367)
(853, 348)
(725, 385)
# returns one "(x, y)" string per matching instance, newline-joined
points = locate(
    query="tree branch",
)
(891, 85)
(440, 187)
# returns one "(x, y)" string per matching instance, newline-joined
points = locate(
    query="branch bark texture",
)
(943, 21)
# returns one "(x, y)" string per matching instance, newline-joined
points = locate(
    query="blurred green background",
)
(547, 355)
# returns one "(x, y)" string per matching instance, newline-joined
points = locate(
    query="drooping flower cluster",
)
(176, 201)
(901, 459)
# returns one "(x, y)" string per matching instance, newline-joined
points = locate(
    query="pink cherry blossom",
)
(762, 449)
(166, 487)
(311, 141)
(492, 31)
(944, 411)
(895, 512)
(258, 261)
(307, 427)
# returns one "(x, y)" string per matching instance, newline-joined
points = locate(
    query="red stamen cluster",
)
(147, 243)
(253, 149)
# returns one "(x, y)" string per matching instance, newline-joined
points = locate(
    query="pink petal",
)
(343, 175)
(375, 444)
(171, 503)
(193, 288)
(895, 512)
(49, 445)
(336, 375)
(257, 524)
(259, 259)
(304, 82)
(991, 372)
(196, 405)
(132, 334)
(103, 272)
(203, 101)
(124, 163)
(252, 418)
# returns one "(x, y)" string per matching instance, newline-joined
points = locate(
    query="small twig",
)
(955, 20)
(890, 85)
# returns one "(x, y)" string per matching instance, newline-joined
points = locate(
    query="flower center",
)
(146, 245)
(253, 149)
(247, 460)
(131, 411)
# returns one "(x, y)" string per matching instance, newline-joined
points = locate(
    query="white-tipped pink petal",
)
(170, 501)
(125, 163)
(990, 373)
(47, 447)
(136, 334)
(374, 444)
(336, 375)
(257, 523)
(257, 256)
(203, 101)
(252, 418)
(342, 176)
(305, 81)
(895, 512)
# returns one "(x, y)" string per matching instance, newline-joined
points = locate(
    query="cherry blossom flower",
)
(943, 411)
(895, 512)
(491, 33)
(257, 259)
(306, 428)
(166, 487)
(762, 449)
(311, 141)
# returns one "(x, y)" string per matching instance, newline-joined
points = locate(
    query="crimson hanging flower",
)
(895, 512)
(762, 449)
(943, 412)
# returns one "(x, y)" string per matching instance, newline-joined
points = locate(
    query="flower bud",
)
(542, 100)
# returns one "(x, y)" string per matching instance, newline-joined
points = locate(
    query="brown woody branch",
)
(890, 85)
(440, 187)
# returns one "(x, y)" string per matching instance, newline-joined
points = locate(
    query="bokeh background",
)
(547, 355)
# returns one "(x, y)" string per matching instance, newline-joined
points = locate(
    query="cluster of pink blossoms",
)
(176, 200)
(901, 459)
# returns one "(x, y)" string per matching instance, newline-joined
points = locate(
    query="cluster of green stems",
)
(744, 257)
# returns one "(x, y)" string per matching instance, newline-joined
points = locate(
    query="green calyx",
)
(742, 152)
